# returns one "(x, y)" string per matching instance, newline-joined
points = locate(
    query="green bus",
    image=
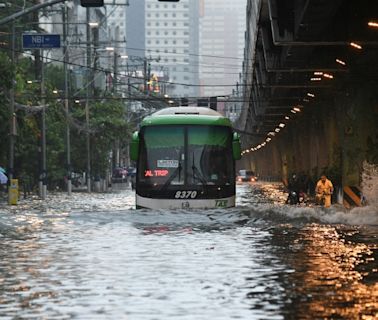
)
(185, 158)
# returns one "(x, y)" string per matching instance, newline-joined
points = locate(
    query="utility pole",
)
(44, 171)
(128, 105)
(89, 86)
(148, 76)
(145, 75)
(115, 71)
(12, 127)
(66, 106)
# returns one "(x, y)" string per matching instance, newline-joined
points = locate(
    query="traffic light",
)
(92, 3)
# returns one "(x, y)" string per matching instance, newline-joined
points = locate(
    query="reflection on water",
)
(94, 257)
(335, 273)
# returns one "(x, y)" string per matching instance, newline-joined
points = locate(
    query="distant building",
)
(222, 28)
(171, 43)
(116, 24)
(77, 44)
(135, 28)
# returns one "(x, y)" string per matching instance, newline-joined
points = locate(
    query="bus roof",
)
(186, 115)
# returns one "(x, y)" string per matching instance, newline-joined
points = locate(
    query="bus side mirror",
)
(134, 146)
(236, 146)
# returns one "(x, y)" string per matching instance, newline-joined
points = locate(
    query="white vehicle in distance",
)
(246, 176)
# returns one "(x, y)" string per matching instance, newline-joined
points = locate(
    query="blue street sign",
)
(40, 41)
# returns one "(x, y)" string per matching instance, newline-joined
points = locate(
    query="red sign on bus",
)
(155, 173)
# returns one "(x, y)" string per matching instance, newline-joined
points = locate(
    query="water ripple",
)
(95, 257)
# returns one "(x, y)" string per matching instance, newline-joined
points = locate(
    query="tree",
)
(6, 77)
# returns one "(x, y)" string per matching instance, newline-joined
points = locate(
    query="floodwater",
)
(92, 256)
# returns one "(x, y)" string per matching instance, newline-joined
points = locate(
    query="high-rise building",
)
(78, 23)
(116, 23)
(171, 43)
(135, 29)
(222, 28)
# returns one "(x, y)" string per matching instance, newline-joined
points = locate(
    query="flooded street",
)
(93, 256)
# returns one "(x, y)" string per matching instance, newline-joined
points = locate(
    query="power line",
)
(133, 77)
(190, 54)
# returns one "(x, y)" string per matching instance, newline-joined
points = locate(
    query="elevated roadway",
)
(310, 82)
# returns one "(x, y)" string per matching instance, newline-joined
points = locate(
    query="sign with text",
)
(40, 41)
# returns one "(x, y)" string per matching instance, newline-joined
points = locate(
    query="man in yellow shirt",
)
(324, 190)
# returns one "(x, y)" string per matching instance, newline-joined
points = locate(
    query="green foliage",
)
(6, 76)
(7, 71)
(107, 125)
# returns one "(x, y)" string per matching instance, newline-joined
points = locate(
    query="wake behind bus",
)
(185, 158)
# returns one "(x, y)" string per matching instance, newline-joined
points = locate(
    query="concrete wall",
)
(333, 135)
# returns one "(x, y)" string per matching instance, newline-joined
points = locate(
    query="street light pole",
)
(66, 107)
(89, 86)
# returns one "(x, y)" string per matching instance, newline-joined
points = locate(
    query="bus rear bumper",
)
(142, 202)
